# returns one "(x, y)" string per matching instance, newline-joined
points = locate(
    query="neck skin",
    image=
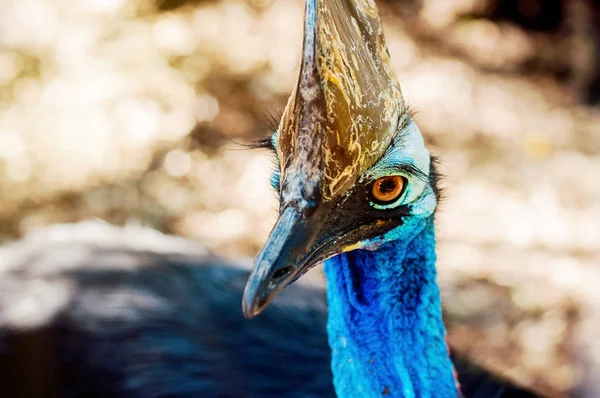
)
(385, 320)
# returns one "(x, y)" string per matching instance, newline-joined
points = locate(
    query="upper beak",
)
(285, 257)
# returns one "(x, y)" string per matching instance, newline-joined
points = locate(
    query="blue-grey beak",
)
(285, 257)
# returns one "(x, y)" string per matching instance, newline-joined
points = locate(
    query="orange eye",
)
(387, 189)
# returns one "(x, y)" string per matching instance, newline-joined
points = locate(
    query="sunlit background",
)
(134, 112)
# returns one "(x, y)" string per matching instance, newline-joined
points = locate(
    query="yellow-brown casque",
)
(347, 104)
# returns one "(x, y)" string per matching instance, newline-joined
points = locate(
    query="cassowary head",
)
(352, 165)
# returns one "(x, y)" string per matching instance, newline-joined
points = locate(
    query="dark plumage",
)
(137, 322)
(90, 310)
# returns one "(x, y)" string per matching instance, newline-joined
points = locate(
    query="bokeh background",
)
(134, 111)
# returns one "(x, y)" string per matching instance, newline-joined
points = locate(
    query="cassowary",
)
(357, 190)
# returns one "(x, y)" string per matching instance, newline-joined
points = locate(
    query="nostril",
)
(282, 272)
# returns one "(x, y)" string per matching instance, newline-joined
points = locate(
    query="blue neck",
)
(385, 320)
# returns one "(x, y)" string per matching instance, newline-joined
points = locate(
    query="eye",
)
(388, 189)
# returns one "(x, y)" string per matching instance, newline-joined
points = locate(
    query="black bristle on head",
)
(435, 177)
(271, 120)
(412, 111)
(402, 132)
(262, 142)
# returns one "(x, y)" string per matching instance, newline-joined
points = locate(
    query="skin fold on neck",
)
(385, 320)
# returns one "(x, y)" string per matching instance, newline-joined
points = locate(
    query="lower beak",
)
(282, 260)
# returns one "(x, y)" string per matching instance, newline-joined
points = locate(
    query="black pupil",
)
(388, 185)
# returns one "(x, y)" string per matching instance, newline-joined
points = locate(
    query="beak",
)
(284, 258)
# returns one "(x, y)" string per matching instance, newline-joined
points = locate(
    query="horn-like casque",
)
(347, 103)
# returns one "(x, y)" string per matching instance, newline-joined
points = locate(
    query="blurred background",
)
(133, 111)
